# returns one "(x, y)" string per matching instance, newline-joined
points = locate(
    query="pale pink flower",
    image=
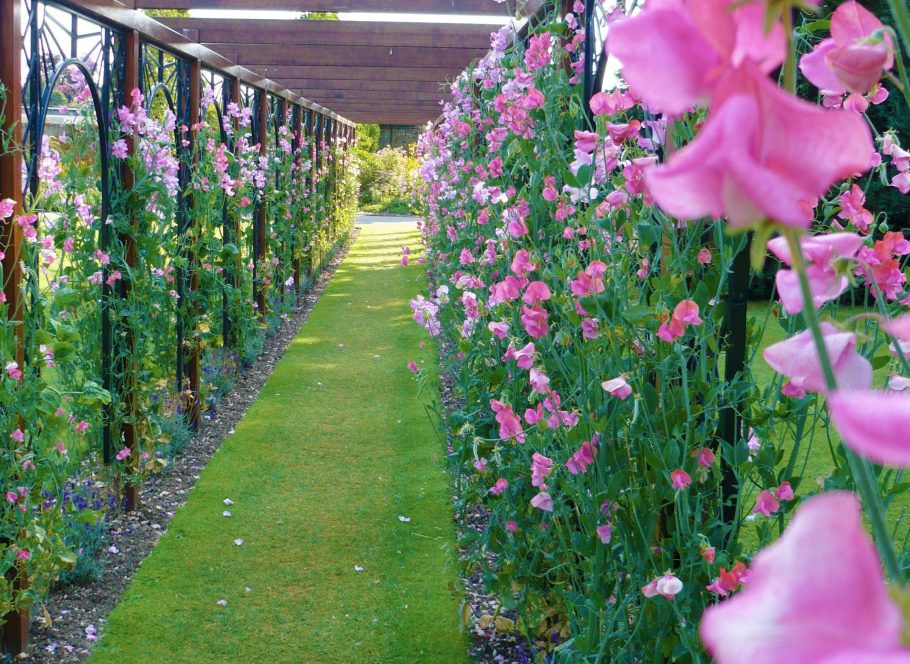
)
(542, 501)
(604, 533)
(821, 252)
(797, 359)
(7, 207)
(541, 467)
(124, 454)
(617, 387)
(500, 329)
(873, 424)
(666, 586)
(815, 596)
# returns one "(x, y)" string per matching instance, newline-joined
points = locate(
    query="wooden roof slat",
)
(267, 55)
(357, 73)
(333, 33)
(480, 7)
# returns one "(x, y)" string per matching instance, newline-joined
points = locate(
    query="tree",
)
(168, 13)
(319, 16)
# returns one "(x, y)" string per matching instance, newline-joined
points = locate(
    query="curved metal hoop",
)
(103, 135)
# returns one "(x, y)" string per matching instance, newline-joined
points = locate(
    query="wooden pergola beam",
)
(357, 73)
(332, 33)
(269, 56)
(478, 7)
(322, 85)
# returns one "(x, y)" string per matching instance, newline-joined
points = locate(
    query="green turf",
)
(335, 449)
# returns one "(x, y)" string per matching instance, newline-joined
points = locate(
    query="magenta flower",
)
(499, 329)
(680, 479)
(605, 533)
(766, 504)
(855, 56)
(815, 596)
(534, 320)
(124, 454)
(873, 424)
(821, 252)
(7, 207)
(12, 497)
(666, 586)
(542, 501)
(797, 359)
(578, 463)
(412, 366)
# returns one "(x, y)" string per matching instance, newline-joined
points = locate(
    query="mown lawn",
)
(336, 449)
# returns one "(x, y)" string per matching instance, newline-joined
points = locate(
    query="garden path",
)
(324, 472)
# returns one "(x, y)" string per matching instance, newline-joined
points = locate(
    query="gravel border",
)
(66, 626)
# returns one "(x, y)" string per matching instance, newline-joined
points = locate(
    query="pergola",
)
(377, 72)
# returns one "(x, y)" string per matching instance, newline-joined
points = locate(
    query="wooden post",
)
(283, 180)
(16, 626)
(128, 370)
(232, 227)
(261, 245)
(194, 403)
(298, 174)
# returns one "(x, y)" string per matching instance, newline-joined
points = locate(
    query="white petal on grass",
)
(404, 519)
(238, 541)
(225, 513)
(228, 502)
(358, 568)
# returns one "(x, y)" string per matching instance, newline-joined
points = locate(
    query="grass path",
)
(335, 449)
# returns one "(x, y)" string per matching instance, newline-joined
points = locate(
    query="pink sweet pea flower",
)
(873, 424)
(522, 264)
(666, 586)
(797, 359)
(605, 533)
(542, 501)
(762, 155)
(680, 479)
(537, 291)
(815, 596)
(766, 504)
(499, 329)
(509, 424)
(500, 486)
(673, 53)
(704, 457)
(820, 251)
(578, 463)
(412, 366)
(855, 56)
(686, 312)
(7, 207)
(525, 356)
(534, 320)
(784, 491)
(124, 454)
(617, 387)
(12, 497)
(541, 467)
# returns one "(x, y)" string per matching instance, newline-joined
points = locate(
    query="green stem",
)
(902, 21)
(790, 62)
(861, 469)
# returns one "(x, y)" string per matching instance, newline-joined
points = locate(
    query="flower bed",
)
(647, 495)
